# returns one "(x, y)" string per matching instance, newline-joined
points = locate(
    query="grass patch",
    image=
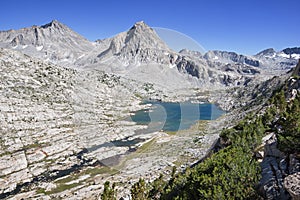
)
(179, 162)
(92, 171)
(145, 146)
(40, 191)
(5, 153)
(202, 125)
(61, 188)
(67, 179)
(171, 132)
(138, 96)
(141, 149)
(100, 170)
(31, 146)
(109, 115)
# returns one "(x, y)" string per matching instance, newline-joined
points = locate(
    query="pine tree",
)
(109, 193)
(139, 190)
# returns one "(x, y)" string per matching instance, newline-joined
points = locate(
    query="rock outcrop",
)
(278, 60)
(55, 121)
(292, 185)
(231, 57)
(274, 169)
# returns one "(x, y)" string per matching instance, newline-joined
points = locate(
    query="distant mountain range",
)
(53, 42)
(65, 104)
(140, 54)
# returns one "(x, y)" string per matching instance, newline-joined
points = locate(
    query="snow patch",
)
(172, 66)
(24, 46)
(295, 56)
(66, 60)
(216, 58)
(81, 56)
(39, 48)
(273, 56)
(284, 55)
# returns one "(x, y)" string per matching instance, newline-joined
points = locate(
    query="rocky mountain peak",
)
(53, 41)
(190, 52)
(296, 71)
(141, 28)
(140, 24)
(281, 60)
(139, 41)
(54, 24)
(269, 52)
(231, 57)
(37, 35)
(144, 36)
(294, 50)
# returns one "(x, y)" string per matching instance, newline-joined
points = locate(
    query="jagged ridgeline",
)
(238, 169)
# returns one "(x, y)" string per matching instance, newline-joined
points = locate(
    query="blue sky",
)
(243, 26)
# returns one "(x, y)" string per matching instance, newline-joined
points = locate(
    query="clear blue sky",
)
(244, 26)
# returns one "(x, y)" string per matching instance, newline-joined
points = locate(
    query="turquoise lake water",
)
(175, 116)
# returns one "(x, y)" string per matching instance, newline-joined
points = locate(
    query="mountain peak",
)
(54, 23)
(140, 24)
(141, 27)
(140, 44)
(54, 41)
(294, 50)
(269, 51)
(140, 40)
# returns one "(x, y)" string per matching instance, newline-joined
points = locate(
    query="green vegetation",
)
(139, 190)
(40, 191)
(145, 146)
(288, 114)
(148, 87)
(67, 179)
(289, 137)
(171, 132)
(60, 188)
(139, 96)
(32, 146)
(65, 183)
(233, 172)
(109, 193)
(101, 170)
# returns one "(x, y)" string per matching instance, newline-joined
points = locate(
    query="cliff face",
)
(281, 161)
(277, 168)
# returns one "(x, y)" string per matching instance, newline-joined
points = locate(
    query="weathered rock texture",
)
(292, 185)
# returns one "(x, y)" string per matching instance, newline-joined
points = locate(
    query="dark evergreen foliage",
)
(233, 172)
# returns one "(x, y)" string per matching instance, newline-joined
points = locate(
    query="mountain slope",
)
(281, 60)
(54, 42)
(267, 59)
(141, 55)
(54, 121)
(140, 44)
(231, 57)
